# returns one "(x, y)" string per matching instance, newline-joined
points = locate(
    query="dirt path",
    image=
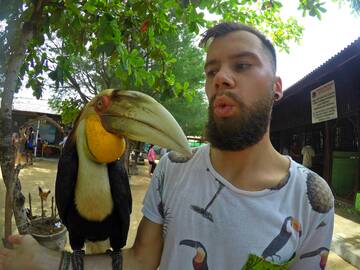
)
(43, 172)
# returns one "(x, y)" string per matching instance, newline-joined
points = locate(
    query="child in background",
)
(151, 158)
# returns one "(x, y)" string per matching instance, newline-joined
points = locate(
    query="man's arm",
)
(147, 249)
(28, 255)
(145, 253)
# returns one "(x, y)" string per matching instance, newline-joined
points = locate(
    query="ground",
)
(43, 172)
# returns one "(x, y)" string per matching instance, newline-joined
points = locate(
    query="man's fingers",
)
(5, 255)
(4, 251)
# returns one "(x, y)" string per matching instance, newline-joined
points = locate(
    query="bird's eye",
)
(102, 103)
(99, 103)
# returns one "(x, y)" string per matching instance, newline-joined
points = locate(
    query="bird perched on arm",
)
(92, 187)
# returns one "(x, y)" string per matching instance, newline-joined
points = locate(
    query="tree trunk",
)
(7, 156)
(21, 220)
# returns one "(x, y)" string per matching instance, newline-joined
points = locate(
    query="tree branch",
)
(77, 88)
(90, 81)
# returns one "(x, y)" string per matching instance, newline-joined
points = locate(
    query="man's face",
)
(240, 85)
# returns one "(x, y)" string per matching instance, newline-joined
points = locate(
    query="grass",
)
(347, 211)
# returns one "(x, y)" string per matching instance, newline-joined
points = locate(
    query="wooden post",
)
(52, 207)
(357, 130)
(327, 153)
(31, 215)
(42, 208)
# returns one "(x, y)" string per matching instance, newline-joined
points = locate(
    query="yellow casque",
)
(104, 146)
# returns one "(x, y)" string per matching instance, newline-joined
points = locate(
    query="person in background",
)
(163, 151)
(22, 142)
(308, 154)
(151, 158)
(62, 143)
(295, 151)
(29, 145)
(16, 143)
(285, 151)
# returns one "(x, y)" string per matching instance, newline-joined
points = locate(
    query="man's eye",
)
(210, 73)
(242, 66)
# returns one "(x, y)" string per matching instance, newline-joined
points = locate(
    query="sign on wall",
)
(323, 103)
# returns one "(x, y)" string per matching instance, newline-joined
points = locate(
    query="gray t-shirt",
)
(210, 224)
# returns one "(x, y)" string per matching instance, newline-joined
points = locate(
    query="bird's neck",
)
(92, 193)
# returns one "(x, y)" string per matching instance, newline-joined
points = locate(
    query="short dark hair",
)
(224, 28)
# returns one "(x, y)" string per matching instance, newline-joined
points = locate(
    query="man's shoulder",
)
(175, 157)
(315, 187)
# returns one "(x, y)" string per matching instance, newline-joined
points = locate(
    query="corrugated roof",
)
(31, 104)
(346, 54)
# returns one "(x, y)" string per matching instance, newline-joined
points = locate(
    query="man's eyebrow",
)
(210, 63)
(237, 55)
(245, 54)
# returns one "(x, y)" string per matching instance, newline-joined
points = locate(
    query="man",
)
(62, 143)
(29, 145)
(236, 202)
(163, 151)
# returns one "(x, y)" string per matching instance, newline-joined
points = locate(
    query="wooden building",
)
(324, 109)
(31, 112)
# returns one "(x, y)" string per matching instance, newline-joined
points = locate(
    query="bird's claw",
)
(116, 257)
(77, 259)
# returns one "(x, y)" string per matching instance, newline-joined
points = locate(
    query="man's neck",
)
(255, 168)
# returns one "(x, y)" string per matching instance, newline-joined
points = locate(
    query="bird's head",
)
(113, 115)
(43, 193)
(201, 253)
(296, 225)
(324, 257)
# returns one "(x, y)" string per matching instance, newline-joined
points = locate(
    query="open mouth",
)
(224, 106)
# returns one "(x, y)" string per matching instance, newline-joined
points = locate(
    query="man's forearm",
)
(103, 261)
(51, 260)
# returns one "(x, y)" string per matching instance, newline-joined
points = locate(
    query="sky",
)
(322, 39)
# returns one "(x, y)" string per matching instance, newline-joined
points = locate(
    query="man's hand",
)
(28, 254)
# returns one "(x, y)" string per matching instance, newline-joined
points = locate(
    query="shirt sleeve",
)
(315, 249)
(153, 204)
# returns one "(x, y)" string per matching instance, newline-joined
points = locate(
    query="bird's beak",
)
(297, 226)
(139, 117)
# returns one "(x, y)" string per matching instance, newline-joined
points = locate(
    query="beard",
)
(242, 130)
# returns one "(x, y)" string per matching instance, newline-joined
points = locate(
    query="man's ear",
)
(277, 89)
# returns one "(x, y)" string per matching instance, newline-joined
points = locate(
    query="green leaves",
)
(85, 46)
(90, 7)
(313, 7)
(190, 111)
(68, 109)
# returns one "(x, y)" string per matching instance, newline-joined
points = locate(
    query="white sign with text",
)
(323, 103)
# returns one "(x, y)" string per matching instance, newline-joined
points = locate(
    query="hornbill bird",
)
(92, 187)
(200, 258)
(282, 238)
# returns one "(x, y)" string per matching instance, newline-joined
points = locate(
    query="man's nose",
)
(224, 80)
